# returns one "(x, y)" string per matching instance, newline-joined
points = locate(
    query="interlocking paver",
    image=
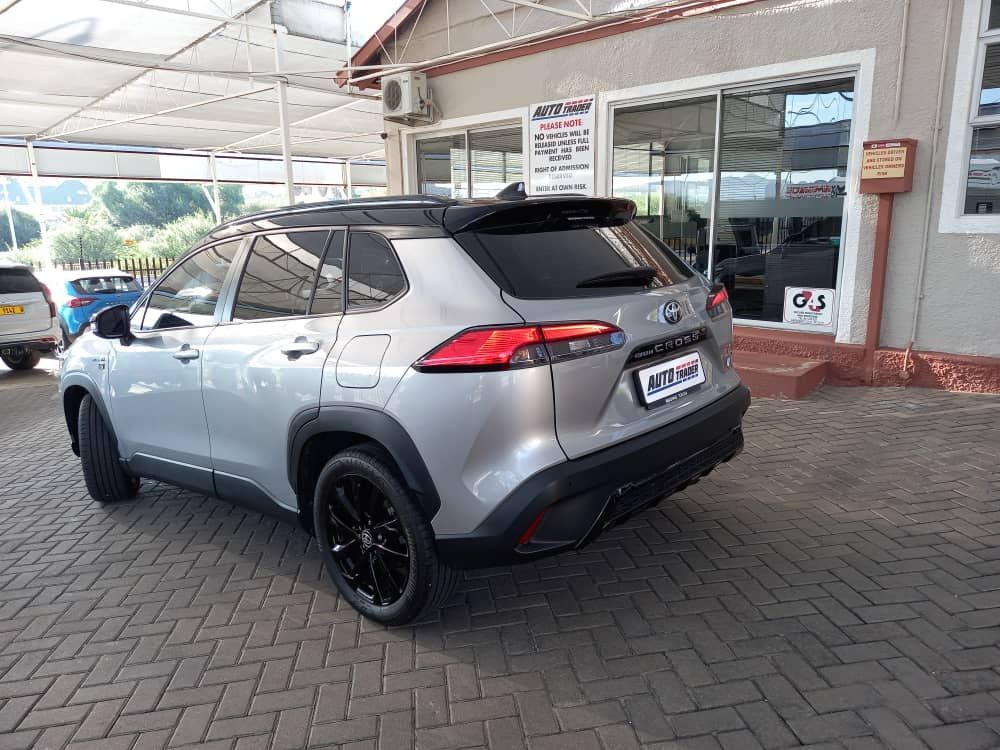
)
(837, 584)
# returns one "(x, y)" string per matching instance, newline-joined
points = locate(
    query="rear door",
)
(23, 307)
(587, 264)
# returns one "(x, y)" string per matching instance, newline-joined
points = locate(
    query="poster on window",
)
(562, 147)
(808, 306)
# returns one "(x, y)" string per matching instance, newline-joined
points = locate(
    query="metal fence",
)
(143, 269)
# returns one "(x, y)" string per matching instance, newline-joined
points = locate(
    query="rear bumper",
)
(47, 342)
(582, 497)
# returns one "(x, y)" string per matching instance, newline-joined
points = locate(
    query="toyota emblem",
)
(672, 312)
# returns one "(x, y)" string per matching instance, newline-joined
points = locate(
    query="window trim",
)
(347, 274)
(973, 41)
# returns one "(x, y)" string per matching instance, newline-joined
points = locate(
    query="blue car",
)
(79, 294)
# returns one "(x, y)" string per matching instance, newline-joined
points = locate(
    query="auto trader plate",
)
(668, 378)
(11, 309)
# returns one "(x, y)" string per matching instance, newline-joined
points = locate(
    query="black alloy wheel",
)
(367, 541)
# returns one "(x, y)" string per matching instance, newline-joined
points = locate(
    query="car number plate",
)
(11, 309)
(670, 378)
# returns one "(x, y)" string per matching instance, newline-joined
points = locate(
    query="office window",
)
(982, 182)
(489, 158)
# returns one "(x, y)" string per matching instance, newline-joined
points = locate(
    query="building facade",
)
(738, 128)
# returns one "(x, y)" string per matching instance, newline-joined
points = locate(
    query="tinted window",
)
(373, 273)
(551, 264)
(279, 275)
(188, 294)
(329, 294)
(105, 285)
(18, 281)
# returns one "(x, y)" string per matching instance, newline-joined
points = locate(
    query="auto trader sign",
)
(562, 147)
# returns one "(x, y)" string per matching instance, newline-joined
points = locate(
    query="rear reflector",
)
(716, 302)
(503, 348)
(532, 528)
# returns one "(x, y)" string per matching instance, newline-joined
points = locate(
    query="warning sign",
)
(562, 147)
(887, 166)
(808, 306)
(884, 163)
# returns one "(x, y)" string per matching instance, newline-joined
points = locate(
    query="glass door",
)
(783, 154)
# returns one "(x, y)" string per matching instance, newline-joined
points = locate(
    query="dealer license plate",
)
(670, 378)
(11, 309)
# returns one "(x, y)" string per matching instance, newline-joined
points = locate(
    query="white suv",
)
(29, 326)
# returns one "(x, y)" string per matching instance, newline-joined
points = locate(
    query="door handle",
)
(300, 346)
(186, 353)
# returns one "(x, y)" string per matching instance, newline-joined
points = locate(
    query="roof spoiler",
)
(563, 212)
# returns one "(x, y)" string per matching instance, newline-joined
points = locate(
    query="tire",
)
(106, 479)
(67, 337)
(26, 360)
(342, 485)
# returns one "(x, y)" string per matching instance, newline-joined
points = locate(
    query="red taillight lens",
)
(47, 293)
(521, 346)
(487, 349)
(716, 302)
(80, 301)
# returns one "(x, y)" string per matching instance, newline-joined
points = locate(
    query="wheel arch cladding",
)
(317, 435)
(73, 393)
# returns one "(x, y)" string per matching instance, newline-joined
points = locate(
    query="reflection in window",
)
(373, 273)
(188, 294)
(783, 161)
(982, 195)
(329, 294)
(279, 275)
(663, 161)
(989, 95)
(994, 20)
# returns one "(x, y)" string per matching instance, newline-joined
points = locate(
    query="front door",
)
(155, 379)
(263, 368)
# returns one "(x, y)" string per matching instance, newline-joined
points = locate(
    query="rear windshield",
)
(106, 285)
(18, 281)
(568, 260)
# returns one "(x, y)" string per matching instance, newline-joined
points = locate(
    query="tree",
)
(90, 237)
(159, 203)
(25, 228)
(174, 238)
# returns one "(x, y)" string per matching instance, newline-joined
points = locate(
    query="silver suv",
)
(29, 326)
(425, 384)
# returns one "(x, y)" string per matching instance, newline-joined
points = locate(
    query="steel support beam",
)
(230, 146)
(284, 127)
(191, 14)
(161, 113)
(10, 216)
(547, 9)
(37, 201)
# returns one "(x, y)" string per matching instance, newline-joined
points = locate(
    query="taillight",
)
(80, 301)
(48, 299)
(509, 347)
(716, 305)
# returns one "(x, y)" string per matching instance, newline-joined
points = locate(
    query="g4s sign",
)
(808, 306)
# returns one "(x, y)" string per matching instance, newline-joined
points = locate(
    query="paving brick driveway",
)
(838, 584)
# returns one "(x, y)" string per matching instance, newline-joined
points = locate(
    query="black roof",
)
(434, 214)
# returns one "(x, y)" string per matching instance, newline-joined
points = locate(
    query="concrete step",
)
(779, 376)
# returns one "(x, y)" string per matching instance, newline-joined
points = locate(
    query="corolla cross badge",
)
(672, 312)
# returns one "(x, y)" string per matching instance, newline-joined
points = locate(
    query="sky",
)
(368, 15)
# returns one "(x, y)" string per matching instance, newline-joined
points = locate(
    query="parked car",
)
(28, 324)
(80, 294)
(425, 384)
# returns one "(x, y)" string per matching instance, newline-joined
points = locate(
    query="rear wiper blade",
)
(625, 277)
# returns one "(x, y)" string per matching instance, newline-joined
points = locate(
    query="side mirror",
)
(113, 323)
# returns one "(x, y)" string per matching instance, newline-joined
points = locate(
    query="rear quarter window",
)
(105, 285)
(18, 281)
(539, 263)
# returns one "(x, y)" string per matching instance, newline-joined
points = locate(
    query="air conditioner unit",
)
(405, 97)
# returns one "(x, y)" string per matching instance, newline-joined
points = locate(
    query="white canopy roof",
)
(188, 74)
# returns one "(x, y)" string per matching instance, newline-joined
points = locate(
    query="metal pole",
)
(38, 201)
(216, 202)
(10, 217)
(286, 136)
(347, 177)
